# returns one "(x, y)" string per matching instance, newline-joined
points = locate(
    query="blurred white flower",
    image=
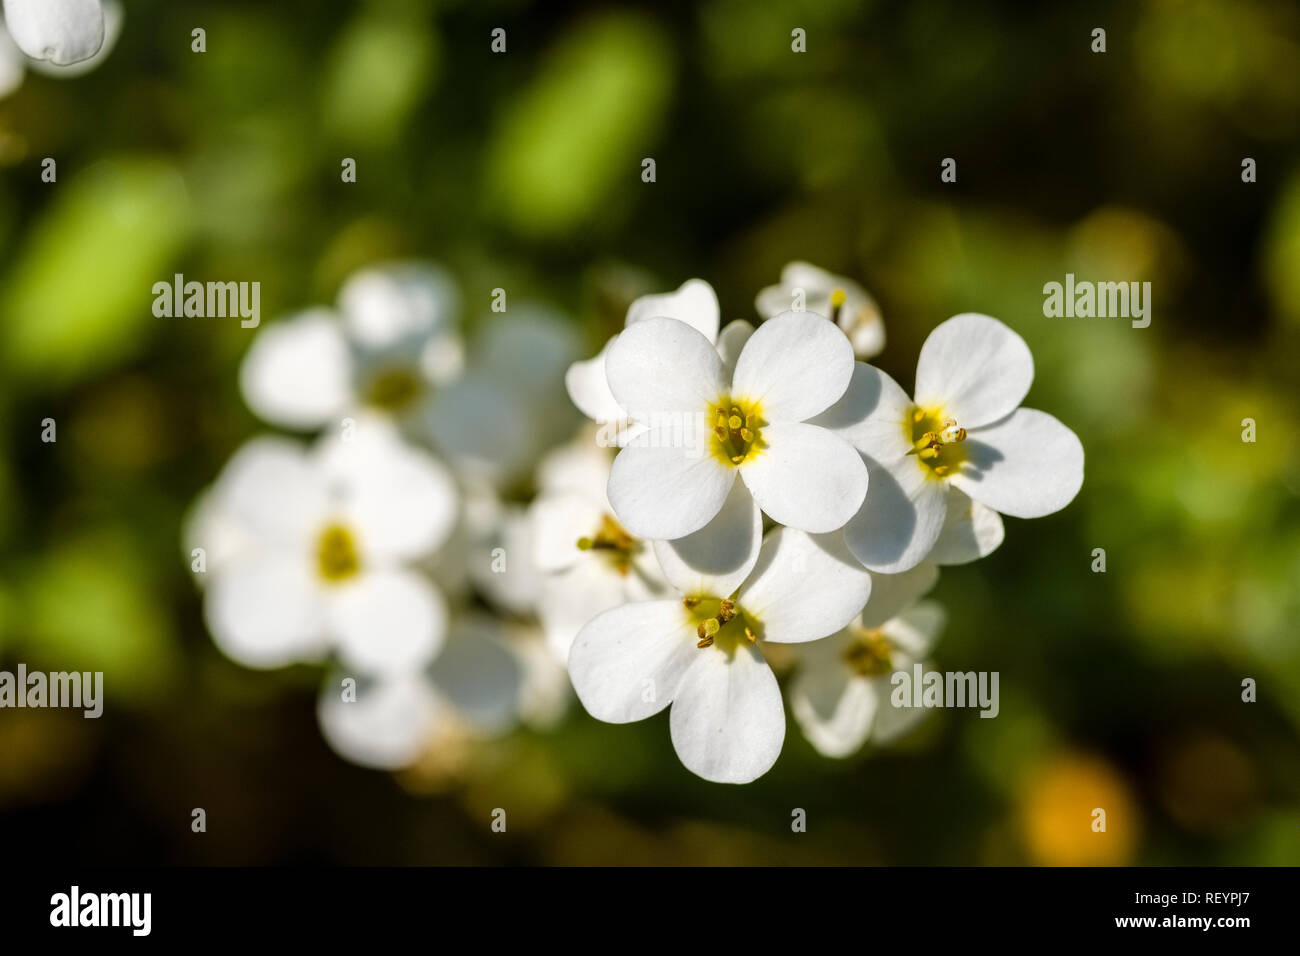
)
(499, 551)
(544, 689)
(63, 38)
(392, 341)
(841, 696)
(311, 551)
(588, 561)
(393, 346)
(841, 300)
(472, 692)
(509, 406)
(704, 427)
(701, 651)
(965, 430)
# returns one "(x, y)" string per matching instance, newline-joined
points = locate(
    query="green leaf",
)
(578, 132)
(79, 298)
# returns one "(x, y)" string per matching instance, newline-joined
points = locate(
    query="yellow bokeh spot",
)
(1058, 813)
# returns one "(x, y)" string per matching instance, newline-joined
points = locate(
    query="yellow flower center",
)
(869, 655)
(936, 440)
(613, 541)
(393, 388)
(737, 435)
(336, 554)
(719, 621)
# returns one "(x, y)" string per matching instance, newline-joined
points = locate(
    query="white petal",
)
(573, 597)
(386, 727)
(272, 490)
(694, 303)
(804, 587)
(874, 416)
(400, 499)
(894, 722)
(916, 630)
(514, 583)
(975, 368)
(588, 388)
(900, 520)
(545, 691)
(731, 342)
(626, 663)
(1027, 465)
(298, 372)
(806, 477)
(113, 17)
(864, 327)
(528, 351)
(386, 304)
(558, 521)
(477, 425)
(970, 531)
(891, 594)
(794, 366)
(834, 708)
(61, 31)
(727, 720)
(582, 466)
(266, 611)
(387, 621)
(859, 316)
(716, 559)
(479, 675)
(660, 366)
(666, 492)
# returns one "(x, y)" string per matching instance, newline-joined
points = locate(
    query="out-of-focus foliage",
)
(522, 170)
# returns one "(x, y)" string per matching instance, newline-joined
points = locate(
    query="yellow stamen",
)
(612, 540)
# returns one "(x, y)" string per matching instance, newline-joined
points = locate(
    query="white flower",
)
(508, 407)
(842, 300)
(471, 693)
(964, 431)
(63, 38)
(701, 651)
(842, 693)
(313, 552)
(588, 561)
(499, 551)
(703, 426)
(694, 303)
(392, 341)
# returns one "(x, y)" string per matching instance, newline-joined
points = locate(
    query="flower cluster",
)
(769, 489)
(375, 547)
(746, 501)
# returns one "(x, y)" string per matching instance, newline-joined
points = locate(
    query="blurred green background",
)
(522, 171)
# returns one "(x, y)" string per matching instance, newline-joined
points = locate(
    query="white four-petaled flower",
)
(313, 551)
(704, 427)
(965, 430)
(842, 694)
(700, 651)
